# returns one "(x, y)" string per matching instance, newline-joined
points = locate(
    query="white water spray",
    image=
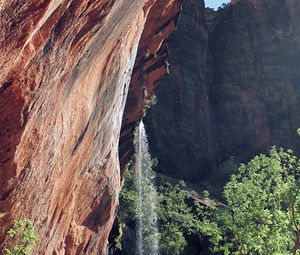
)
(147, 234)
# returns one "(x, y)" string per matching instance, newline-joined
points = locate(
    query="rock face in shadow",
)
(65, 73)
(180, 125)
(233, 88)
(255, 94)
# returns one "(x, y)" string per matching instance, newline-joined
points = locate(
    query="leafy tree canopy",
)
(261, 215)
(262, 212)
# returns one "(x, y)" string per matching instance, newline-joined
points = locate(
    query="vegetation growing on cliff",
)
(23, 237)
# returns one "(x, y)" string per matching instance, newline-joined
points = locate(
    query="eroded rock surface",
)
(233, 90)
(65, 72)
(150, 67)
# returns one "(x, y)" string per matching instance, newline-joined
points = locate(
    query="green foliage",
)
(150, 101)
(129, 197)
(205, 193)
(260, 217)
(176, 213)
(172, 240)
(23, 231)
(178, 217)
(229, 166)
(130, 209)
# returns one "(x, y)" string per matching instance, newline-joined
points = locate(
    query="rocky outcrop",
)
(65, 72)
(233, 88)
(150, 67)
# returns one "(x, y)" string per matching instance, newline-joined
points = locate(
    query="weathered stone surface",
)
(65, 71)
(150, 67)
(234, 94)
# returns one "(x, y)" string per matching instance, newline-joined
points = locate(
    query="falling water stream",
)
(147, 235)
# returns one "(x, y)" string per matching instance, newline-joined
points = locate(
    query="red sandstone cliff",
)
(65, 71)
(150, 67)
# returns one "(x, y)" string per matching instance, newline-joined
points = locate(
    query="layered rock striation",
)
(65, 72)
(233, 90)
(255, 81)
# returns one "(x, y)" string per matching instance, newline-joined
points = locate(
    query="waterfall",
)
(147, 235)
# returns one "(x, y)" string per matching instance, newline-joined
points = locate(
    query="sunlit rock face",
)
(233, 88)
(65, 72)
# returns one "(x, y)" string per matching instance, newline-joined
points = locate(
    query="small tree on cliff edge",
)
(263, 205)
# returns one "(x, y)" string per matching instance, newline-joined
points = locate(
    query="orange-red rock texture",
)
(65, 69)
(150, 67)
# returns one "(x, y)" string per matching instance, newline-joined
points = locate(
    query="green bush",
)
(178, 217)
(24, 237)
(261, 215)
(172, 241)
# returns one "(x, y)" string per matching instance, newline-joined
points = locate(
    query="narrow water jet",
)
(147, 234)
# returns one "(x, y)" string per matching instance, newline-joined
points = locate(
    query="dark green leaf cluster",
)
(178, 217)
(261, 215)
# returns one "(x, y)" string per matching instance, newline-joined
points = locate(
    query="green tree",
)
(262, 212)
(23, 235)
(172, 241)
(178, 217)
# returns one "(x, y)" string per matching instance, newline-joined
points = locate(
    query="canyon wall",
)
(255, 81)
(233, 89)
(150, 67)
(65, 73)
(180, 125)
